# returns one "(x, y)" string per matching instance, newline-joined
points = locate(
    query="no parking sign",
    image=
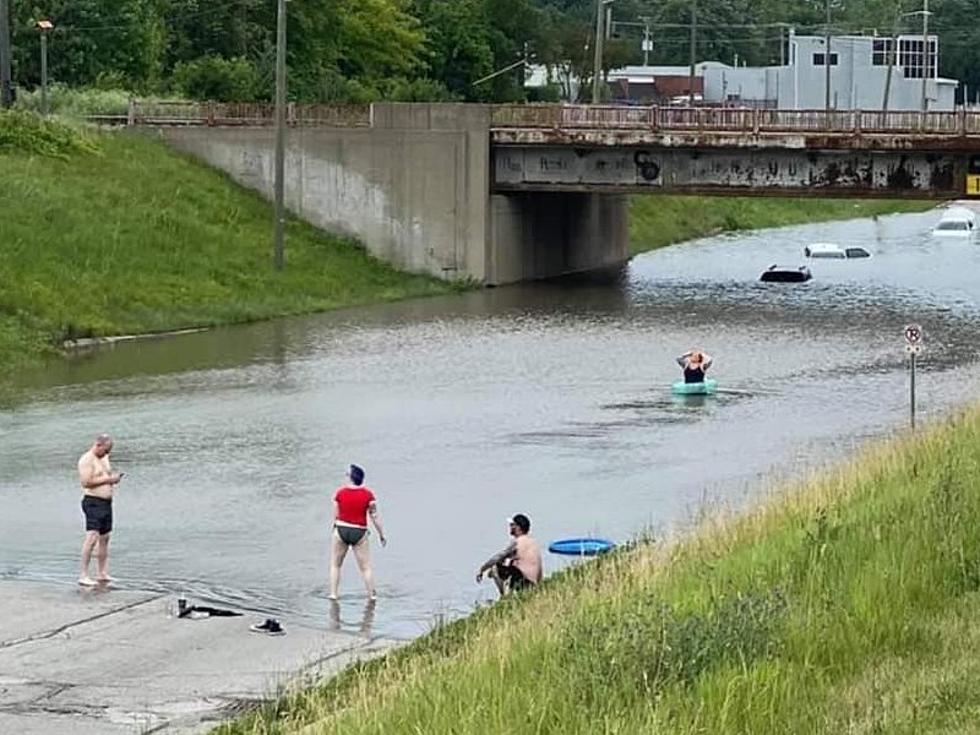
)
(913, 343)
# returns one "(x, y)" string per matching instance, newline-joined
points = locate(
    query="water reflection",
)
(363, 626)
(551, 399)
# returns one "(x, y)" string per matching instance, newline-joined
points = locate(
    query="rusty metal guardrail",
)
(144, 112)
(582, 117)
(740, 120)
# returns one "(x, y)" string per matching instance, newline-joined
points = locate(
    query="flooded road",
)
(549, 399)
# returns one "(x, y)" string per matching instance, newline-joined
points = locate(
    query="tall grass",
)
(79, 102)
(114, 234)
(847, 604)
(657, 220)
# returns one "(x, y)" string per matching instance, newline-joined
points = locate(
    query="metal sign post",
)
(913, 344)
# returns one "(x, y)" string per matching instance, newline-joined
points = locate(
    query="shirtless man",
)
(519, 565)
(98, 482)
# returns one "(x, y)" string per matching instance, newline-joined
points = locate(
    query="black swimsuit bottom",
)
(350, 535)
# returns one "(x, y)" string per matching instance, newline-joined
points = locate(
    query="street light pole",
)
(280, 163)
(925, 53)
(6, 83)
(44, 26)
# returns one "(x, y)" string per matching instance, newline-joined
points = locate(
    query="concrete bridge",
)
(509, 193)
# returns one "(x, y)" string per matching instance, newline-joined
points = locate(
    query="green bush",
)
(418, 90)
(221, 80)
(26, 132)
(547, 93)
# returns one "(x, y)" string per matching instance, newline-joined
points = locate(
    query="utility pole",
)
(280, 187)
(891, 59)
(694, 51)
(647, 43)
(826, 56)
(600, 16)
(6, 83)
(925, 53)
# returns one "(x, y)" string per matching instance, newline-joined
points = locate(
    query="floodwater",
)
(550, 399)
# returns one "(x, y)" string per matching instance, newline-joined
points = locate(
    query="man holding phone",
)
(98, 481)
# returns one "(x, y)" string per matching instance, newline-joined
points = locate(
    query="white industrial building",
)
(859, 67)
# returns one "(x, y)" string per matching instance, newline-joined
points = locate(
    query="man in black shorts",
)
(98, 481)
(517, 567)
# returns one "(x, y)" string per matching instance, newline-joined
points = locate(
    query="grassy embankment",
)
(656, 220)
(847, 604)
(106, 234)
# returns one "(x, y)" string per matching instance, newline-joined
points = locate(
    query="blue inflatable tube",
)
(581, 546)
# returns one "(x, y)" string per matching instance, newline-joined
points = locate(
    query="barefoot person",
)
(98, 482)
(519, 565)
(353, 503)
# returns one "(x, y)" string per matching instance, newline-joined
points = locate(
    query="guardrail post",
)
(209, 114)
(961, 122)
(131, 113)
(857, 121)
(755, 120)
(291, 113)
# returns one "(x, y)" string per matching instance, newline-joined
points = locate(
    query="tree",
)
(92, 38)
(222, 80)
(457, 48)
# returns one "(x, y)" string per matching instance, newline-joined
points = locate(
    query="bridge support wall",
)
(415, 188)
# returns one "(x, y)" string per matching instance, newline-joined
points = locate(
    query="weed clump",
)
(27, 133)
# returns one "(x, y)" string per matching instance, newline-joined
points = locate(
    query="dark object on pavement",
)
(185, 611)
(271, 626)
(785, 274)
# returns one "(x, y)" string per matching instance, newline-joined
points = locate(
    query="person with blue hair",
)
(353, 503)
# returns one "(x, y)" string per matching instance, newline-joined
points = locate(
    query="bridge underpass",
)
(502, 194)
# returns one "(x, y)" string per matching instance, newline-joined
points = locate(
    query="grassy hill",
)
(112, 233)
(658, 220)
(846, 605)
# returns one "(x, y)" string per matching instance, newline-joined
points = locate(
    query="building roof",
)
(639, 72)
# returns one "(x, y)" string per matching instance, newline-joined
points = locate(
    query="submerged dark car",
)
(786, 274)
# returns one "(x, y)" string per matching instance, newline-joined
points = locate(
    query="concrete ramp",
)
(80, 662)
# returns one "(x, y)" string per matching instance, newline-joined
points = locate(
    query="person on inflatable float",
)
(695, 364)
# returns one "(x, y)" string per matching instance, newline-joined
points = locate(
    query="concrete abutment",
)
(415, 188)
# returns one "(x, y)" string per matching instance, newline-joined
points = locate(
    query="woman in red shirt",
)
(352, 504)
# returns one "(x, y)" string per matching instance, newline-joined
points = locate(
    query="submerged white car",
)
(957, 222)
(830, 250)
(958, 228)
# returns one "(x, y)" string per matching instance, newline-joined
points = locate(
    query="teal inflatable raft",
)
(708, 387)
